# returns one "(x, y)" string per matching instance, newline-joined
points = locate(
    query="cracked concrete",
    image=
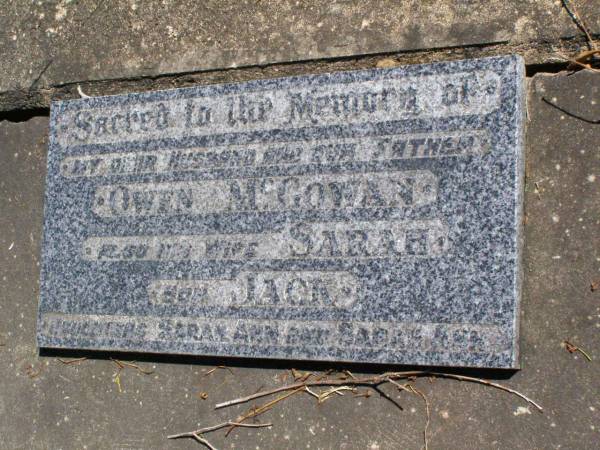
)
(47, 45)
(16, 101)
(52, 43)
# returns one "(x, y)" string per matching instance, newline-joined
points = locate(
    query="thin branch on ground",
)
(197, 434)
(299, 376)
(117, 379)
(124, 364)
(68, 362)
(337, 386)
(370, 381)
(334, 390)
(81, 93)
(428, 413)
(583, 60)
(218, 427)
(204, 441)
(400, 387)
(311, 392)
(214, 369)
(488, 383)
(258, 410)
(387, 397)
(572, 348)
(350, 374)
(537, 189)
(365, 394)
(570, 7)
(374, 381)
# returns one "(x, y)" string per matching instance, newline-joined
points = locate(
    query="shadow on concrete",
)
(264, 363)
(24, 115)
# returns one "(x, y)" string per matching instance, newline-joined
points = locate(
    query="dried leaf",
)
(387, 63)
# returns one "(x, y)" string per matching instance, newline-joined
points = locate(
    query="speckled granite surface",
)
(368, 216)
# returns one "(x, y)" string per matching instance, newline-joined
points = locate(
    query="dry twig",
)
(299, 376)
(370, 381)
(571, 348)
(258, 410)
(124, 364)
(68, 362)
(337, 385)
(197, 435)
(588, 58)
(365, 394)
(334, 390)
(387, 63)
(488, 383)
(583, 60)
(373, 381)
(216, 368)
(579, 22)
(537, 189)
(400, 387)
(117, 380)
(81, 93)
(418, 392)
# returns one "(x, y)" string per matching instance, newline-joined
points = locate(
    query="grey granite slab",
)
(368, 216)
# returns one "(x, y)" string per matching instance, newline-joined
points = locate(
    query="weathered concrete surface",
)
(37, 100)
(80, 406)
(50, 43)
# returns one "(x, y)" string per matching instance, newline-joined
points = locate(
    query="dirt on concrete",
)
(48, 404)
(48, 48)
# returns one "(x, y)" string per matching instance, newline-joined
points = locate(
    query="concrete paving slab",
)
(47, 404)
(52, 43)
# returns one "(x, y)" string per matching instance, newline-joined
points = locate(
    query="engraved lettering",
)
(361, 240)
(303, 193)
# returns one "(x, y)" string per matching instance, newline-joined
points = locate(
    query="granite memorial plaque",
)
(369, 216)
